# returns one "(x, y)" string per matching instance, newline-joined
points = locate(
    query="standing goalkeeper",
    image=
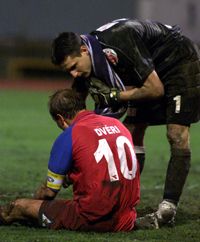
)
(154, 70)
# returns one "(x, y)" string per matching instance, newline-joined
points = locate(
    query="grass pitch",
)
(26, 136)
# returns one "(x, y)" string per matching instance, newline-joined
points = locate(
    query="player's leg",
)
(177, 171)
(137, 131)
(137, 120)
(61, 214)
(183, 109)
(20, 210)
(54, 214)
(178, 168)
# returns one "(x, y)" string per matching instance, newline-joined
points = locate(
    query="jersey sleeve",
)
(139, 55)
(60, 160)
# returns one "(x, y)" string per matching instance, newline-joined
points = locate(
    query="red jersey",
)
(103, 169)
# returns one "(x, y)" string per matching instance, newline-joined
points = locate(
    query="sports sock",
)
(141, 160)
(140, 154)
(177, 172)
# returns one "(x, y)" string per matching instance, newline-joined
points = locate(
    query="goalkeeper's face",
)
(78, 65)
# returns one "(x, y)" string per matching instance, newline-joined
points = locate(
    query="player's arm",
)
(59, 164)
(138, 62)
(151, 89)
(145, 79)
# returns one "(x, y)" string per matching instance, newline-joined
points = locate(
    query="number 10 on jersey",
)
(104, 150)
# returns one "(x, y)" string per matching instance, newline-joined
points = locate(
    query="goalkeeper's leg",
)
(137, 131)
(177, 172)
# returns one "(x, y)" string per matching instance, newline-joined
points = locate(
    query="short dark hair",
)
(66, 102)
(67, 43)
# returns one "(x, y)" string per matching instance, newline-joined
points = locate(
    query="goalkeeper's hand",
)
(102, 94)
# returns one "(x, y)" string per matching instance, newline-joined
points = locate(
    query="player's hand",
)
(102, 94)
(44, 193)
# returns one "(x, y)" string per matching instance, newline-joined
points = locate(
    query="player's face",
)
(78, 65)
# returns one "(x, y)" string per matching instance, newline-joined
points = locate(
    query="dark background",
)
(27, 27)
(43, 19)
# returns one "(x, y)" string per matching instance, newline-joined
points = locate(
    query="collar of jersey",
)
(81, 115)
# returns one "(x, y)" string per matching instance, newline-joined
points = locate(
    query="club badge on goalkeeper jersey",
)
(111, 55)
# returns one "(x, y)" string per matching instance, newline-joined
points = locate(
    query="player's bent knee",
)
(178, 136)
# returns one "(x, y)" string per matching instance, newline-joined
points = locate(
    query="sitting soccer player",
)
(96, 155)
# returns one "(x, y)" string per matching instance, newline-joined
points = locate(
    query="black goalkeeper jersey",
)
(144, 46)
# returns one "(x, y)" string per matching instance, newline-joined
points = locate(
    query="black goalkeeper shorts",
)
(180, 109)
(180, 105)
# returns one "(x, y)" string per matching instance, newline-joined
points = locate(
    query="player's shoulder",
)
(120, 33)
(118, 26)
(65, 135)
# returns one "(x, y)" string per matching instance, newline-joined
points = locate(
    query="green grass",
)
(26, 135)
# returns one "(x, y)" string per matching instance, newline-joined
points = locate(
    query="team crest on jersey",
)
(111, 55)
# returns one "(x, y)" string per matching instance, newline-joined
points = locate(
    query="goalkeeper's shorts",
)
(181, 102)
(181, 109)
